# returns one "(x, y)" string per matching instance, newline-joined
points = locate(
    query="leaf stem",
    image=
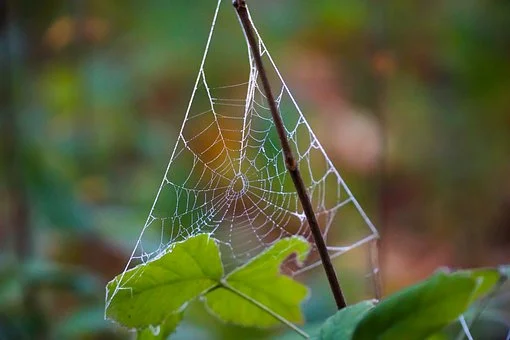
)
(296, 329)
(290, 161)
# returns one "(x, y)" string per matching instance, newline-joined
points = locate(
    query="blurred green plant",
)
(24, 286)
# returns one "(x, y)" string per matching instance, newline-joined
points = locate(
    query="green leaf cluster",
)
(152, 296)
(417, 312)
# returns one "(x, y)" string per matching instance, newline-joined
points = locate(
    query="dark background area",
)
(409, 98)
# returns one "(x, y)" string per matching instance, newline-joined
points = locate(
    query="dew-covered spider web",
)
(226, 175)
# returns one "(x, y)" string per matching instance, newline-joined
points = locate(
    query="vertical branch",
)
(380, 64)
(376, 268)
(290, 161)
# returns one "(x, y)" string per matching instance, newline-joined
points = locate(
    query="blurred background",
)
(409, 98)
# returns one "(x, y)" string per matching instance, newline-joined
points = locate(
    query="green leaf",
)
(147, 294)
(488, 282)
(260, 280)
(438, 336)
(420, 310)
(162, 331)
(486, 279)
(312, 329)
(341, 326)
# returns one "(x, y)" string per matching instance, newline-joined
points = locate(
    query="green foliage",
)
(16, 278)
(82, 322)
(343, 324)
(38, 279)
(486, 280)
(152, 295)
(425, 308)
(261, 280)
(187, 270)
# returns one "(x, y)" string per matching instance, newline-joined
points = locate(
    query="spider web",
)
(226, 175)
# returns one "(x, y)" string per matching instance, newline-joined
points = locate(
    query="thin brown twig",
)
(376, 269)
(290, 161)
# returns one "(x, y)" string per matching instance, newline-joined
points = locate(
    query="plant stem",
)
(290, 162)
(376, 268)
(296, 329)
